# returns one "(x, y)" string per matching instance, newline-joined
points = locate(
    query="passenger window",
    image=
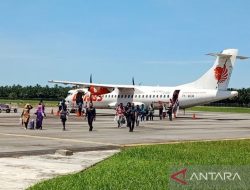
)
(135, 96)
(146, 96)
(160, 96)
(125, 96)
(118, 96)
(153, 96)
(128, 96)
(121, 96)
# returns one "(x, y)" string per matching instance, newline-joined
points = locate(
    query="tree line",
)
(242, 100)
(58, 92)
(33, 92)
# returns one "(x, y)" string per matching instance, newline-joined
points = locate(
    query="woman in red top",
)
(120, 114)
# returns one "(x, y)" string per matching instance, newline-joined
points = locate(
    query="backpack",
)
(63, 114)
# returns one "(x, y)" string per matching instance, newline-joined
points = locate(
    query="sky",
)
(158, 42)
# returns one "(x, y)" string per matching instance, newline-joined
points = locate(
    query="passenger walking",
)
(43, 106)
(138, 115)
(26, 115)
(90, 114)
(161, 111)
(39, 116)
(132, 117)
(120, 114)
(143, 112)
(79, 102)
(127, 114)
(63, 113)
(147, 112)
(164, 111)
(170, 110)
(151, 112)
(60, 104)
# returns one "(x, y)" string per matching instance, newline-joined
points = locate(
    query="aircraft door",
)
(79, 98)
(175, 102)
(175, 97)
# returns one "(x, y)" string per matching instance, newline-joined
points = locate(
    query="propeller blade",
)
(90, 78)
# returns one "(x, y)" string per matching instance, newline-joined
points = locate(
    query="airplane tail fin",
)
(218, 76)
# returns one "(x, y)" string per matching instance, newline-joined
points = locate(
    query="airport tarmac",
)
(31, 152)
(16, 141)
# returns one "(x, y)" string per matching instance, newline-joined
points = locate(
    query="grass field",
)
(220, 109)
(146, 167)
(21, 103)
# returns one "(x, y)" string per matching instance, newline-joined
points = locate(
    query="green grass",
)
(146, 167)
(21, 103)
(220, 109)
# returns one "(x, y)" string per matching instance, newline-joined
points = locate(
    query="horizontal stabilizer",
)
(226, 55)
(241, 57)
(219, 55)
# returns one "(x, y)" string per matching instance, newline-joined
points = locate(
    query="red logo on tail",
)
(221, 74)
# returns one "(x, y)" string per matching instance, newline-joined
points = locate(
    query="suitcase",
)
(31, 124)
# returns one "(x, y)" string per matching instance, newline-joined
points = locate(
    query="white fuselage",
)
(148, 94)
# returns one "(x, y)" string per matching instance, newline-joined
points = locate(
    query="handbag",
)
(115, 118)
(123, 120)
(63, 114)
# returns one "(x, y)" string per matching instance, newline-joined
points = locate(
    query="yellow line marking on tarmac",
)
(184, 141)
(59, 139)
(125, 145)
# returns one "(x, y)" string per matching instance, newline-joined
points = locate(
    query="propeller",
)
(90, 81)
(90, 78)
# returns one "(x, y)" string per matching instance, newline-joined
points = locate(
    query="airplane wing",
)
(87, 85)
(96, 88)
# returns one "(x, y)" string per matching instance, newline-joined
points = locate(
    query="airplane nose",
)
(234, 93)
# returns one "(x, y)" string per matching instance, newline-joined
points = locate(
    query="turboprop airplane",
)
(210, 87)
